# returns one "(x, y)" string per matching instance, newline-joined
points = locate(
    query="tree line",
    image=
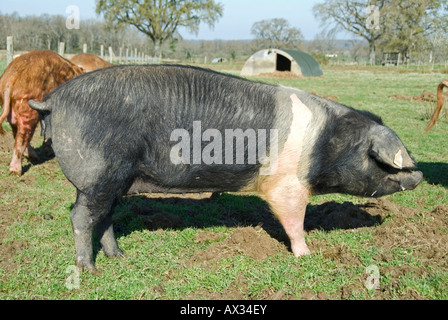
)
(408, 27)
(46, 31)
(415, 28)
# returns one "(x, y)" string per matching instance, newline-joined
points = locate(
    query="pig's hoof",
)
(301, 250)
(87, 266)
(15, 172)
(115, 254)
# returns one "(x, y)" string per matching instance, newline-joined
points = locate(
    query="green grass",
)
(38, 254)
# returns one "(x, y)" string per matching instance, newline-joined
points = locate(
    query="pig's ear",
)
(388, 149)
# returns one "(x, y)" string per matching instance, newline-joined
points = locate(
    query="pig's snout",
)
(400, 181)
(408, 180)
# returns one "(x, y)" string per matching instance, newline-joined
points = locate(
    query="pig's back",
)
(131, 111)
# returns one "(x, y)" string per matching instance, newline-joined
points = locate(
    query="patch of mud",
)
(9, 214)
(281, 75)
(423, 233)
(7, 250)
(426, 96)
(255, 243)
(326, 96)
(6, 142)
(405, 234)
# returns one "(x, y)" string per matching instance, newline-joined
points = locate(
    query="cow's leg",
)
(31, 119)
(288, 199)
(26, 122)
(15, 167)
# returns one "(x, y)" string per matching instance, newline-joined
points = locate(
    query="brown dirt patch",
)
(8, 250)
(255, 243)
(425, 96)
(423, 233)
(8, 214)
(6, 143)
(412, 234)
(326, 96)
(281, 75)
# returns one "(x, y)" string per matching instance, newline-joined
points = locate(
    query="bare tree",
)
(323, 43)
(276, 33)
(393, 24)
(411, 23)
(364, 18)
(159, 19)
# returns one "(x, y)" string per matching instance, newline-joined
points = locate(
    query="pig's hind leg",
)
(86, 216)
(105, 231)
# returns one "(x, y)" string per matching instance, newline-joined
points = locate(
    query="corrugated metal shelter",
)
(271, 60)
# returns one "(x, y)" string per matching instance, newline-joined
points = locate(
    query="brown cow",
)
(90, 62)
(436, 113)
(30, 76)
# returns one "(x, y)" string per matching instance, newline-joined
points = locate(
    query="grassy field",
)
(230, 247)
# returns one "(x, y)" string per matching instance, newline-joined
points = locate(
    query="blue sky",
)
(238, 18)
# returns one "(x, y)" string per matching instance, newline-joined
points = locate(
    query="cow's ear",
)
(388, 149)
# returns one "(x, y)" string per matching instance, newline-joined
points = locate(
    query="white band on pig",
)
(288, 160)
(285, 193)
(300, 120)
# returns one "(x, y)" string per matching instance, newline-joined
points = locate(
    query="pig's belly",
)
(199, 181)
(142, 186)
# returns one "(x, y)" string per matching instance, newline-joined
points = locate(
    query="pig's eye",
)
(394, 178)
(384, 167)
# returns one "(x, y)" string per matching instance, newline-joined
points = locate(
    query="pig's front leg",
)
(283, 191)
(288, 199)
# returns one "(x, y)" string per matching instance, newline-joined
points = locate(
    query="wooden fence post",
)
(111, 55)
(61, 48)
(84, 48)
(9, 49)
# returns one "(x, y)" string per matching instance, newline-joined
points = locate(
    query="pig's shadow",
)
(45, 153)
(435, 172)
(139, 213)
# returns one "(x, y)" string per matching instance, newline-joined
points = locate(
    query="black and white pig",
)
(178, 129)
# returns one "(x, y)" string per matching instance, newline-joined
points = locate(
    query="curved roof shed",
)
(271, 60)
